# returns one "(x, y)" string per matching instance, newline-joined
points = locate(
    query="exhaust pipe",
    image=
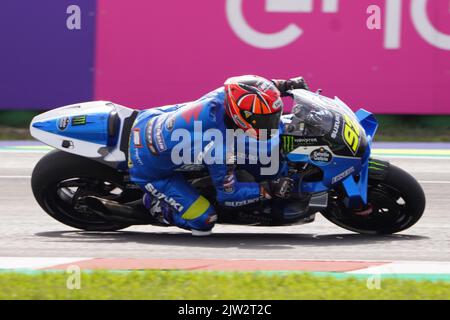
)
(113, 211)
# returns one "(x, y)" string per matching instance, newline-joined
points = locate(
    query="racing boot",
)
(158, 209)
(165, 215)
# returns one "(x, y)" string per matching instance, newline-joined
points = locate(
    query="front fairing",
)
(321, 123)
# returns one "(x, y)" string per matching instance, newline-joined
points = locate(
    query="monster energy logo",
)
(79, 120)
(377, 166)
(288, 143)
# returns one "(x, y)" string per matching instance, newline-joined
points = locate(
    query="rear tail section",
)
(97, 130)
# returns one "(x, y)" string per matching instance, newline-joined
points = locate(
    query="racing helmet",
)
(253, 103)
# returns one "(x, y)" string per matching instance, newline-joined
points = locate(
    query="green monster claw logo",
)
(79, 120)
(288, 143)
(377, 166)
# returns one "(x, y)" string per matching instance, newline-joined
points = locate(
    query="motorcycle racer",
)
(250, 103)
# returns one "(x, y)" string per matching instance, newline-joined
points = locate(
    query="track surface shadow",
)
(262, 241)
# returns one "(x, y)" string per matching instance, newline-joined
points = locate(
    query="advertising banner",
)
(151, 53)
(43, 62)
(387, 56)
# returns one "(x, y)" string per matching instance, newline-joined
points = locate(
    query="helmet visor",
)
(263, 121)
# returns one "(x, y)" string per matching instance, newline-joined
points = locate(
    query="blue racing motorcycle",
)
(85, 184)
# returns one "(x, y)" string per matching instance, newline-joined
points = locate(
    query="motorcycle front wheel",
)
(395, 203)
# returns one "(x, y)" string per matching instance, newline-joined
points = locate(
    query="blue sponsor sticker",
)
(149, 136)
(158, 135)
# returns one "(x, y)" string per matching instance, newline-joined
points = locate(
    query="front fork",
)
(377, 171)
(356, 188)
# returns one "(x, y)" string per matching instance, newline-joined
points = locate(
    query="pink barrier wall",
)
(151, 53)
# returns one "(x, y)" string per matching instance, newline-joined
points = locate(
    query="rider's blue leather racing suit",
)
(155, 134)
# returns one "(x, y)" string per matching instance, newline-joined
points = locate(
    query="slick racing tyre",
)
(60, 180)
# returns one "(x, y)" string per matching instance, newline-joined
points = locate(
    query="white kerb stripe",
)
(407, 267)
(34, 263)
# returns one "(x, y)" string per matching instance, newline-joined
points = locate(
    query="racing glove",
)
(279, 188)
(295, 83)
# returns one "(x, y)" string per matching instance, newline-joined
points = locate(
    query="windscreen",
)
(314, 115)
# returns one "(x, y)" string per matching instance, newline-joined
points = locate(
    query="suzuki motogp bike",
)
(84, 183)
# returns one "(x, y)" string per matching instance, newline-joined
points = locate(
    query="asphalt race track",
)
(27, 231)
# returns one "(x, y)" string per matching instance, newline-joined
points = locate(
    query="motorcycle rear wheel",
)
(60, 179)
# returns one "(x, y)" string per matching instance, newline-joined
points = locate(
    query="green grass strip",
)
(212, 285)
